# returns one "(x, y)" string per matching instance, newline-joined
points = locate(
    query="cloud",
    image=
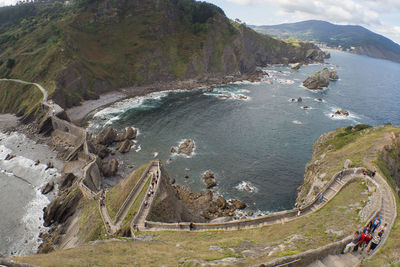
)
(338, 11)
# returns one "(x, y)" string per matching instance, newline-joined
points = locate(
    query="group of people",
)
(102, 199)
(154, 181)
(369, 173)
(369, 237)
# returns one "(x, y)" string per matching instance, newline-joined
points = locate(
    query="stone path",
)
(387, 211)
(113, 226)
(53, 107)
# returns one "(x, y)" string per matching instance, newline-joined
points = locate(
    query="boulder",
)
(109, 168)
(173, 181)
(305, 107)
(173, 150)
(48, 188)
(37, 162)
(238, 204)
(318, 80)
(296, 66)
(186, 147)
(319, 99)
(208, 179)
(299, 99)
(125, 146)
(107, 136)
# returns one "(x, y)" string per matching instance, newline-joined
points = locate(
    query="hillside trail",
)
(387, 212)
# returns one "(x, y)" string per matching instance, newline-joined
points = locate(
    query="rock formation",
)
(48, 188)
(125, 146)
(127, 134)
(186, 147)
(320, 79)
(109, 168)
(209, 179)
(342, 112)
(107, 136)
(296, 66)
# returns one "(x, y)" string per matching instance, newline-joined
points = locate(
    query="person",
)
(299, 213)
(367, 228)
(360, 242)
(145, 203)
(341, 174)
(353, 242)
(374, 243)
(382, 228)
(321, 197)
(367, 239)
(376, 222)
(101, 202)
(191, 226)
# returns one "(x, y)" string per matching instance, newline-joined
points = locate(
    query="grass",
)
(117, 195)
(174, 248)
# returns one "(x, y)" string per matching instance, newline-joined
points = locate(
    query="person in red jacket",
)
(360, 242)
(367, 238)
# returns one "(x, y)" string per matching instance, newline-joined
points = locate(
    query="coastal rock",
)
(37, 162)
(292, 100)
(318, 80)
(238, 204)
(125, 146)
(109, 168)
(66, 181)
(173, 181)
(173, 150)
(319, 99)
(210, 88)
(107, 136)
(186, 147)
(342, 112)
(296, 66)
(305, 107)
(50, 165)
(299, 99)
(128, 134)
(9, 156)
(221, 202)
(101, 150)
(333, 75)
(209, 179)
(48, 188)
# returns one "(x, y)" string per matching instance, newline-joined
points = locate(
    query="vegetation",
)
(348, 37)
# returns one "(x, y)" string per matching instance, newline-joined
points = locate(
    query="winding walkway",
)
(113, 226)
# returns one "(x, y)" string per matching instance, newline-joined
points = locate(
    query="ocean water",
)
(21, 201)
(257, 142)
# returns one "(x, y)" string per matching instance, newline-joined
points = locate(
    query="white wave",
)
(4, 151)
(285, 81)
(139, 148)
(155, 154)
(297, 122)
(246, 186)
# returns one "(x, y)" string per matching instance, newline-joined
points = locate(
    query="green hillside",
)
(84, 48)
(352, 38)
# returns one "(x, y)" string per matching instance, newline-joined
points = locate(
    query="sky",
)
(380, 16)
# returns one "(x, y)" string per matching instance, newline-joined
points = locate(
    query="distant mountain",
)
(355, 39)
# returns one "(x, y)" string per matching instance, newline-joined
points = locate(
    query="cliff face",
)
(167, 207)
(81, 50)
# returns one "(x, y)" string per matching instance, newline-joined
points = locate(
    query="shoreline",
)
(79, 115)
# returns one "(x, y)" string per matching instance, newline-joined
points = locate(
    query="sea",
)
(251, 135)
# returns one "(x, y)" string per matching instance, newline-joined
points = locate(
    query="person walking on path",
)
(374, 243)
(360, 242)
(367, 229)
(353, 242)
(375, 223)
(341, 174)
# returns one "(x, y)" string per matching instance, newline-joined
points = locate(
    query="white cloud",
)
(367, 13)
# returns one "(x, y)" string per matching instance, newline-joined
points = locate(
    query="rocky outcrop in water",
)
(209, 179)
(342, 112)
(127, 134)
(48, 188)
(186, 147)
(295, 66)
(125, 146)
(320, 79)
(107, 136)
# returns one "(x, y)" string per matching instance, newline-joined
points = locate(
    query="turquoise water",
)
(264, 141)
